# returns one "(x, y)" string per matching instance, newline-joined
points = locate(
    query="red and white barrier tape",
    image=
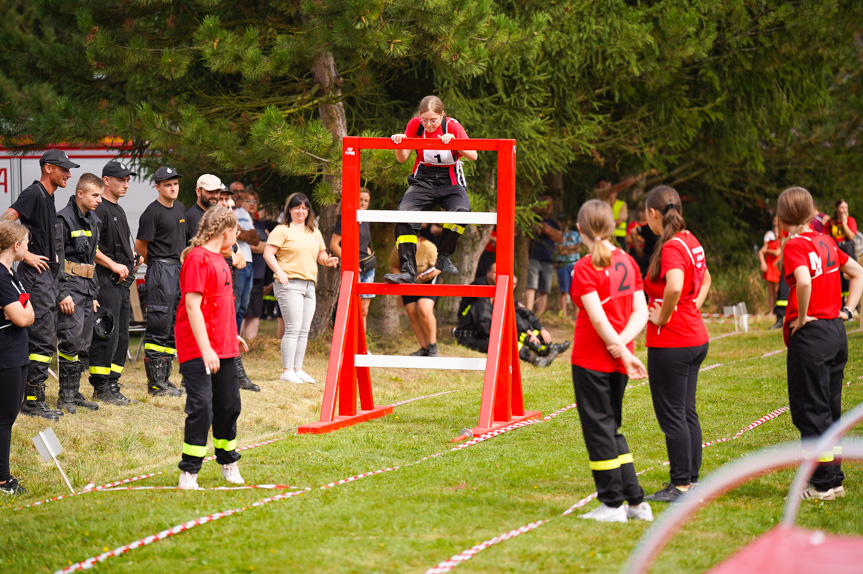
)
(244, 487)
(90, 562)
(465, 555)
(91, 488)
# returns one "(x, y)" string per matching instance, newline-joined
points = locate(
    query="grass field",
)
(411, 518)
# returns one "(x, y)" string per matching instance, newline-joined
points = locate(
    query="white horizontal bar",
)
(457, 217)
(407, 362)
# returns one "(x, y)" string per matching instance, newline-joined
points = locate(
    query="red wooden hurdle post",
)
(502, 401)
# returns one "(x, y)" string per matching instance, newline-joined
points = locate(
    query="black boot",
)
(524, 355)
(246, 383)
(169, 363)
(34, 403)
(408, 264)
(446, 247)
(547, 359)
(157, 376)
(68, 386)
(110, 393)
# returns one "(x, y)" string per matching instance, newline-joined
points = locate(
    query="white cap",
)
(209, 182)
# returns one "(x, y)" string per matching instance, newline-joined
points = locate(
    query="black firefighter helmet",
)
(103, 326)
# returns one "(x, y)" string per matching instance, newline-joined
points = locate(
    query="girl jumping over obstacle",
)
(814, 330)
(207, 348)
(677, 283)
(437, 179)
(607, 290)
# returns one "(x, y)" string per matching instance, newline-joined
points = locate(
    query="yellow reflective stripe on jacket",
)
(99, 370)
(611, 464)
(406, 239)
(453, 227)
(194, 450)
(69, 358)
(160, 349)
(466, 311)
(225, 444)
(116, 368)
(80, 232)
(39, 358)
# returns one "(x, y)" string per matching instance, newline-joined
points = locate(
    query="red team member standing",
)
(207, 348)
(607, 290)
(437, 179)
(814, 330)
(677, 283)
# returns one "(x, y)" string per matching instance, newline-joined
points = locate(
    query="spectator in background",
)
(489, 255)
(367, 259)
(644, 241)
(768, 256)
(254, 310)
(608, 193)
(246, 237)
(207, 190)
(540, 270)
(818, 220)
(842, 228)
(568, 253)
(420, 308)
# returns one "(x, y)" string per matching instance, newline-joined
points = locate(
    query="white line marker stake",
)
(49, 447)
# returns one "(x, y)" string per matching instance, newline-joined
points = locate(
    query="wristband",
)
(848, 312)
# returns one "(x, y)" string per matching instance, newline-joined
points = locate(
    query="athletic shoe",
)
(290, 376)
(432, 350)
(421, 352)
(814, 494)
(304, 376)
(231, 473)
(188, 481)
(639, 512)
(13, 487)
(668, 494)
(399, 278)
(839, 491)
(606, 514)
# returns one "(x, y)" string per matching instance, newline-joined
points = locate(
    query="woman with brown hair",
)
(437, 179)
(676, 284)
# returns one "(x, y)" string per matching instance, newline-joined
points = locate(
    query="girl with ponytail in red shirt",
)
(676, 284)
(607, 290)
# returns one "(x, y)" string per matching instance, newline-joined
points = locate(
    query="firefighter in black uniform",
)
(78, 230)
(115, 273)
(35, 208)
(160, 241)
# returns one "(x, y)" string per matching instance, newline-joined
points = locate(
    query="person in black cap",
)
(78, 232)
(35, 208)
(161, 239)
(115, 274)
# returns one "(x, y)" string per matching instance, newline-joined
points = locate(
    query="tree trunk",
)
(333, 117)
(389, 303)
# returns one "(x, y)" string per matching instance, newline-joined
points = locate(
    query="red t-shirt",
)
(207, 273)
(437, 158)
(685, 328)
(822, 258)
(615, 285)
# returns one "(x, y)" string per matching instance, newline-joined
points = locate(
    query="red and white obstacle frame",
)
(348, 370)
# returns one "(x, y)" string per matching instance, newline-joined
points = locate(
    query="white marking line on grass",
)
(147, 540)
(465, 555)
(109, 485)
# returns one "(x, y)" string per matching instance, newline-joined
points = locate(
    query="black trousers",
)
(673, 380)
(75, 331)
(423, 195)
(210, 399)
(42, 334)
(11, 395)
(817, 354)
(108, 356)
(599, 399)
(163, 297)
(781, 298)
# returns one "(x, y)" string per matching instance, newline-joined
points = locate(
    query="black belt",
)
(168, 260)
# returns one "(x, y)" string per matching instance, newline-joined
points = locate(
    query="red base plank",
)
(344, 421)
(500, 424)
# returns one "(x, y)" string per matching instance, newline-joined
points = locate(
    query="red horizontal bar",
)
(426, 289)
(427, 143)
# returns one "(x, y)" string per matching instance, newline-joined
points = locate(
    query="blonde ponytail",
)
(596, 221)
